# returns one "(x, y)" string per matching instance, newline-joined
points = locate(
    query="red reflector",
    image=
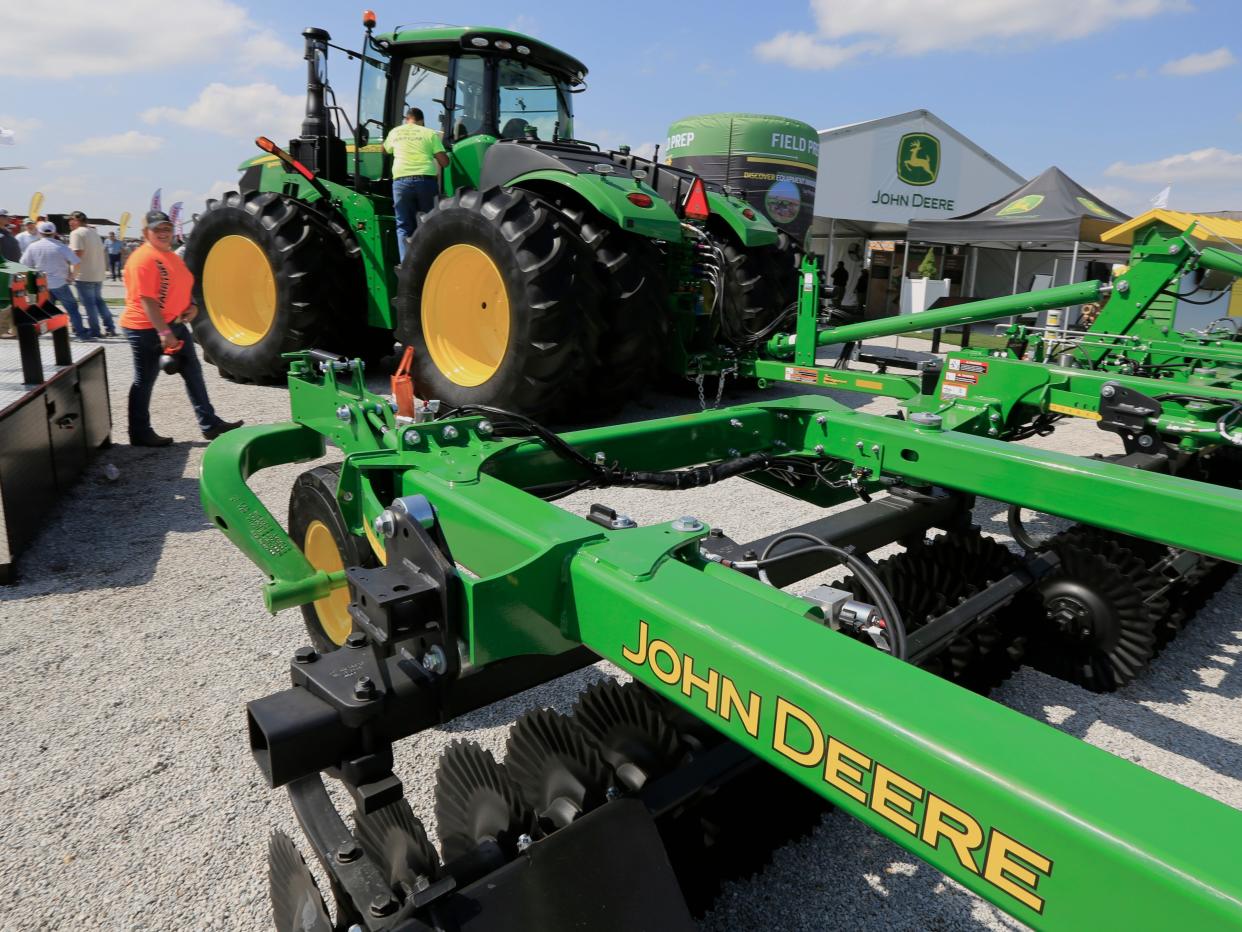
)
(638, 199)
(302, 170)
(265, 144)
(748, 214)
(695, 206)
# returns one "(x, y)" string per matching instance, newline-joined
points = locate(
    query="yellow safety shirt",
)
(414, 149)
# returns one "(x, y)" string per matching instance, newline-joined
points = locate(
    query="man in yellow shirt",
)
(418, 155)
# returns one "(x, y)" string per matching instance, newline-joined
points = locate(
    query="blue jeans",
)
(412, 195)
(64, 297)
(148, 351)
(91, 294)
(114, 266)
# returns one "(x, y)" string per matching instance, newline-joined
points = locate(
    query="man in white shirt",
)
(29, 233)
(88, 247)
(56, 261)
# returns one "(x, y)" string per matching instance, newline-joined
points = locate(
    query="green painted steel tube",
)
(1221, 261)
(973, 313)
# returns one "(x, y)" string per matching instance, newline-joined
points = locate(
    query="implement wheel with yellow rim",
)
(497, 296)
(270, 277)
(317, 526)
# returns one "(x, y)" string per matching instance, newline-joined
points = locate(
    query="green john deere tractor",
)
(553, 277)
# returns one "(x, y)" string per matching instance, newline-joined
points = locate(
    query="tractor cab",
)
(476, 86)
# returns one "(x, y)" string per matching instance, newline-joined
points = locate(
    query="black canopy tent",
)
(1050, 213)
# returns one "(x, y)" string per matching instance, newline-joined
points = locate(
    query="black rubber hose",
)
(861, 566)
(1014, 519)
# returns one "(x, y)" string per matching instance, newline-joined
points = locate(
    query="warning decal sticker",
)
(953, 390)
(968, 365)
(802, 376)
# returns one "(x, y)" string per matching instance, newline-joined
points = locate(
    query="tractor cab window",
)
(531, 96)
(470, 110)
(423, 82)
(374, 80)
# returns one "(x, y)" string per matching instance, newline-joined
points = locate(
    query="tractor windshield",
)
(531, 96)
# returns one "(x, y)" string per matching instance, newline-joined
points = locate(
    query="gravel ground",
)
(137, 633)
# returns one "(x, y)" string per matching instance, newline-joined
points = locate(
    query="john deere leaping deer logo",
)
(918, 158)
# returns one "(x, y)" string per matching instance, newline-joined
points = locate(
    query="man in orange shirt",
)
(158, 306)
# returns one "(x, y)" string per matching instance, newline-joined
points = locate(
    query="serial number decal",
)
(1003, 861)
(803, 376)
(1074, 412)
(953, 390)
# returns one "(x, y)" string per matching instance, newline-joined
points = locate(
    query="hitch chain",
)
(720, 387)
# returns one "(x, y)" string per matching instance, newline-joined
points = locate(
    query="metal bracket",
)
(1129, 414)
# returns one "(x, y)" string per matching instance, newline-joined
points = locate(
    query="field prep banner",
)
(773, 161)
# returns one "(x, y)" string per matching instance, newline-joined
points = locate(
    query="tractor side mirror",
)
(363, 136)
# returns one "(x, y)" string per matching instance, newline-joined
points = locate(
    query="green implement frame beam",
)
(1053, 831)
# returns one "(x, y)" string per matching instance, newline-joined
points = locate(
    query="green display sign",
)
(918, 159)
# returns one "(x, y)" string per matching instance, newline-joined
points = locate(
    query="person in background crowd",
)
(840, 278)
(113, 247)
(418, 155)
(56, 261)
(88, 247)
(29, 233)
(860, 289)
(10, 249)
(158, 307)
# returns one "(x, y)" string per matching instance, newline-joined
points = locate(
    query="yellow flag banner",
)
(124, 223)
(36, 204)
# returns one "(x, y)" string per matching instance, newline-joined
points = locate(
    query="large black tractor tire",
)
(318, 528)
(759, 284)
(633, 309)
(497, 297)
(270, 277)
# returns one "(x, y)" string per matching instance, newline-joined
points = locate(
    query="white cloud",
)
(127, 143)
(233, 110)
(266, 49)
(1199, 63)
(56, 164)
(914, 27)
(1202, 165)
(87, 37)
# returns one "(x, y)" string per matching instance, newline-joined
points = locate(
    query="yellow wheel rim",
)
(239, 290)
(465, 315)
(321, 552)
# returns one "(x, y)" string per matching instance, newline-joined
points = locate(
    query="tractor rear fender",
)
(610, 196)
(755, 230)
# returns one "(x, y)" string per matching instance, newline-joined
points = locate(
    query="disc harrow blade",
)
(627, 729)
(557, 767)
(394, 838)
(297, 905)
(476, 801)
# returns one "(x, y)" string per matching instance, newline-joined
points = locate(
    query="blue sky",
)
(114, 99)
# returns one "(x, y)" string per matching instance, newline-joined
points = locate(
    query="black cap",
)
(155, 217)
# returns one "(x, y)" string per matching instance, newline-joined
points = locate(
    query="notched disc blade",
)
(296, 903)
(476, 800)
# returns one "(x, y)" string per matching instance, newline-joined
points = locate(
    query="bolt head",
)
(385, 524)
(382, 904)
(413, 437)
(434, 660)
(600, 458)
(1174, 249)
(993, 432)
(524, 841)
(485, 429)
(449, 432)
(819, 449)
(1108, 391)
(859, 444)
(821, 419)
(734, 452)
(875, 449)
(343, 413)
(687, 524)
(305, 654)
(1146, 440)
(356, 639)
(348, 851)
(735, 422)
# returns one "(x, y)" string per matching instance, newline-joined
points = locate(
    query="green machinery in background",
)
(544, 279)
(436, 577)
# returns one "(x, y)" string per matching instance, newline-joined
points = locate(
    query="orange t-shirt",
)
(162, 276)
